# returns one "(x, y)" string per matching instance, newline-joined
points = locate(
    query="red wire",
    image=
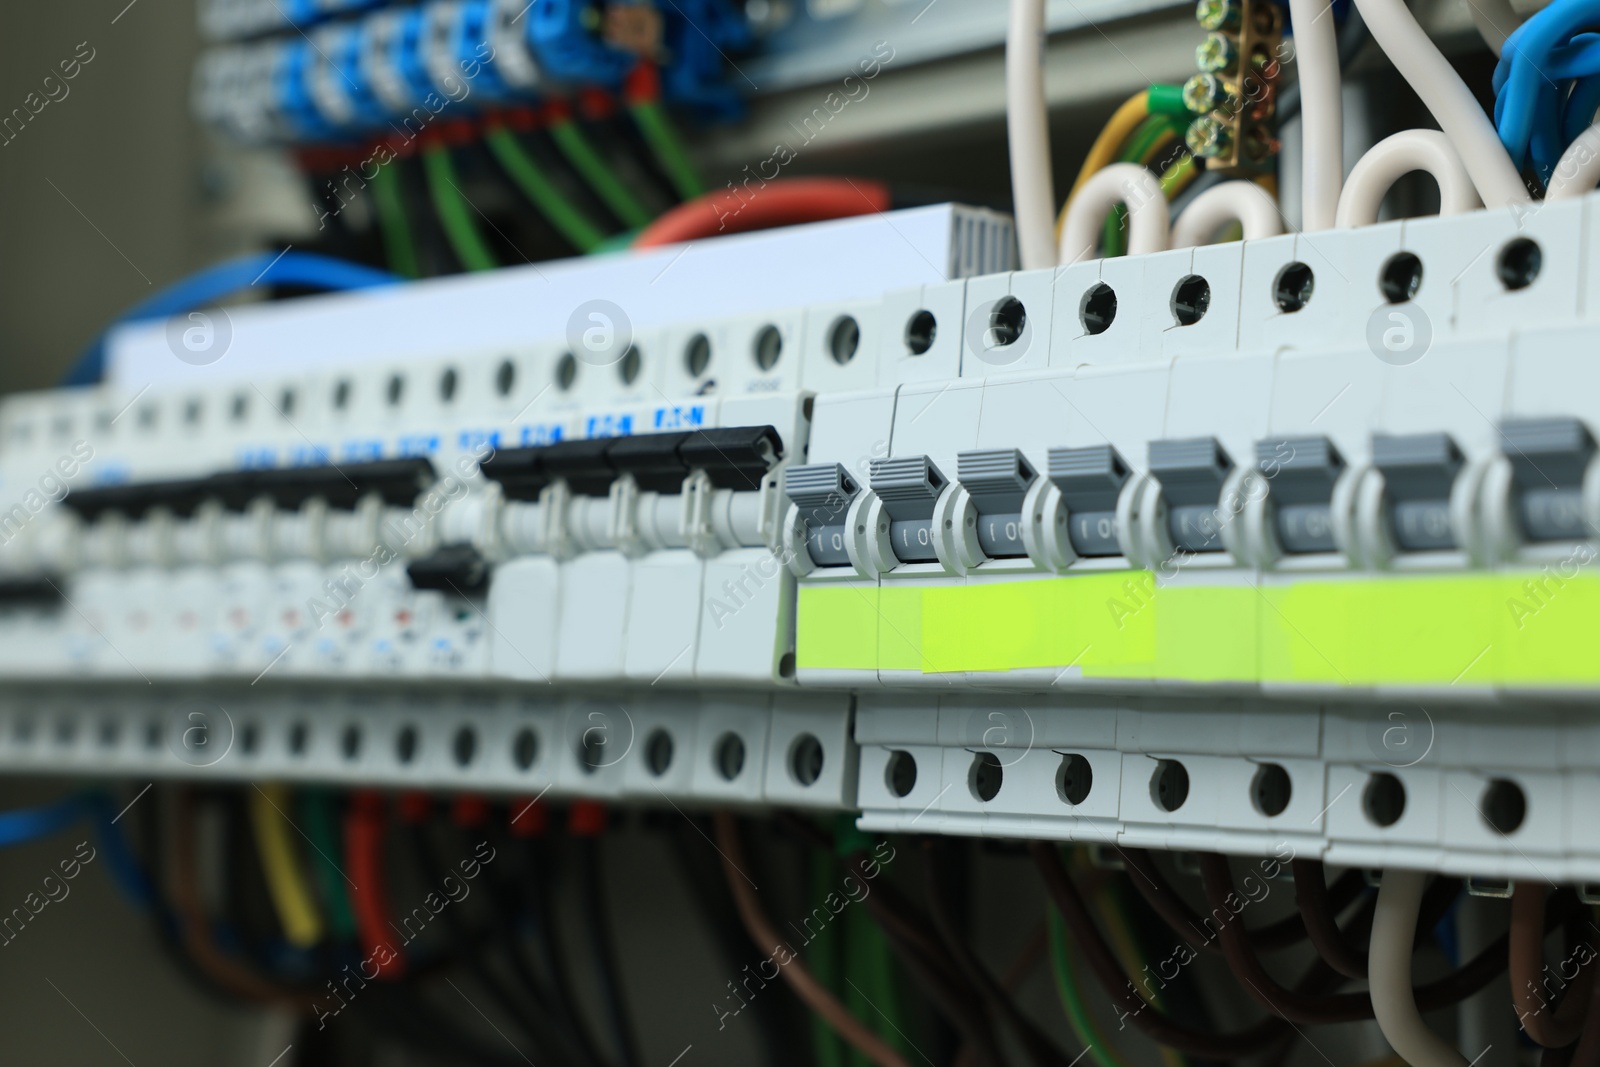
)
(369, 897)
(758, 206)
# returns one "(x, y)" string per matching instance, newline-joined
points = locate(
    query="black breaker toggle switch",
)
(909, 489)
(1191, 472)
(822, 492)
(997, 479)
(1419, 471)
(1301, 473)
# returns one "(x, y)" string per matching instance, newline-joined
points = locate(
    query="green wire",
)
(656, 125)
(825, 961)
(563, 215)
(322, 828)
(587, 162)
(1083, 1024)
(455, 214)
(1140, 143)
(392, 220)
(868, 942)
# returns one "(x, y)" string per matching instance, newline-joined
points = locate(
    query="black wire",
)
(1353, 38)
(597, 928)
(545, 1031)
(780, 1025)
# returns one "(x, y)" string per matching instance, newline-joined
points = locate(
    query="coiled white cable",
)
(1578, 170)
(1028, 134)
(1394, 1002)
(1316, 58)
(1399, 154)
(1130, 185)
(1246, 203)
(1452, 104)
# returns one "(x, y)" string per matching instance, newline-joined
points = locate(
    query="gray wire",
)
(1352, 38)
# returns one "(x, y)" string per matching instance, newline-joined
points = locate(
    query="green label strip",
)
(1480, 629)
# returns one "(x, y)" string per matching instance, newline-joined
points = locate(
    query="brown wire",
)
(1039, 1047)
(1189, 924)
(800, 979)
(1226, 1046)
(1587, 1053)
(1564, 1025)
(1318, 914)
(194, 926)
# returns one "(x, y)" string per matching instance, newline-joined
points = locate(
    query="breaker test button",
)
(909, 488)
(1090, 480)
(520, 472)
(997, 479)
(1302, 472)
(1549, 458)
(1191, 472)
(733, 457)
(582, 464)
(652, 459)
(821, 494)
(1419, 472)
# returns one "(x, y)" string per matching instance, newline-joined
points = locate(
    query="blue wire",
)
(30, 824)
(212, 284)
(1542, 83)
(126, 870)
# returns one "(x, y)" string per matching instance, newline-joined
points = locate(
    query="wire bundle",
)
(1547, 84)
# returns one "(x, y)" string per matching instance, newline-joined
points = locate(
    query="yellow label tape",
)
(1478, 629)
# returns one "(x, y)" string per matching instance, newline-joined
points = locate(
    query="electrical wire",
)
(793, 970)
(529, 177)
(231, 276)
(292, 897)
(454, 211)
(1028, 135)
(1188, 924)
(1562, 1026)
(1126, 183)
(1447, 97)
(1152, 137)
(195, 928)
(1578, 170)
(1038, 1045)
(1353, 37)
(603, 950)
(1242, 202)
(1496, 20)
(1119, 926)
(643, 94)
(569, 138)
(826, 957)
(321, 823)
(394, 222)
(531, 1016)
(1394, 1002)
(1131, 1005)
(1382, 165)
(782, 202)
(1311, 897)
(364, 824)
(1082, 1021)
(1316, 56)
(1123, 122)
(22, 825)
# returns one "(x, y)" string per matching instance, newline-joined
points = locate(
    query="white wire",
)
(1453, 106)
(1028, 132)
(1130, 185)
(1316, 60)
(1238, 201)
(1578, 170)
(1495, 20)
(1398, 154)
(1394, 1002)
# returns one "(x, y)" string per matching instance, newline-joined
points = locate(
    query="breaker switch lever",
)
(822, 493)
(1419, 472)
(1090, 480)
(997, 480)
(451, 569)
(1301, 472)
(733, 457)
(1191, 472)
(1549, 459)
(909, 489)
